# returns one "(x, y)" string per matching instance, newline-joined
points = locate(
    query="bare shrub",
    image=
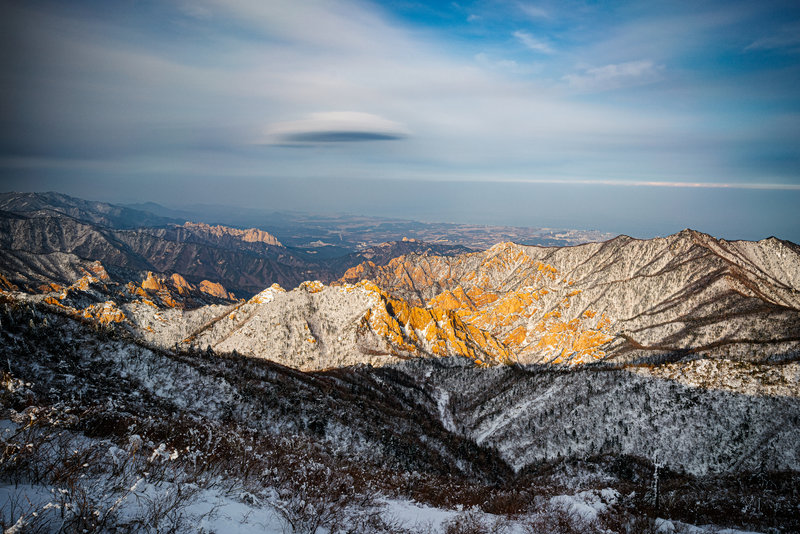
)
(555, 520)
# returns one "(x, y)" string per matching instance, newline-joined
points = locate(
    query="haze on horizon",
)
(628, 117)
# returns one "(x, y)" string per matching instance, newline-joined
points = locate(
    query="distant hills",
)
(44, 236)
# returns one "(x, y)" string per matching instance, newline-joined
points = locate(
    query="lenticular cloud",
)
(335, 127)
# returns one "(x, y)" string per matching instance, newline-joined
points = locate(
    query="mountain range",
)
(44, 234)
(517, 366)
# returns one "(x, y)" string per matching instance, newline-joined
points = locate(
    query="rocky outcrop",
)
(227, 235)
(175, 292)
(215, 289)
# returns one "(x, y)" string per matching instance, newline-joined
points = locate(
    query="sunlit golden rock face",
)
(152, 283)
(5, 285)
(185, 288)
(215, 289)
(105, 313)
(510, 307)
(49, 288)
(68, 298)
(413, 330)
(174, 291)
(95, 297)
(312, 286)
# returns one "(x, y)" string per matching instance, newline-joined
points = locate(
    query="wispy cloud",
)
(650, 183)
(533, 43)
(615, 75)
(194, 94)
(786, 38)
(534, 12)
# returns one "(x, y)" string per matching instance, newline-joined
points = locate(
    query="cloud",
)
(534, 12)
(488, 62)
(615, 75)
(786, 38)
(534, 44)
(680, 185)
(252, 73)
(335, 127)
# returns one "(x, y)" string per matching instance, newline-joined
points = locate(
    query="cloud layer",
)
(548, 92)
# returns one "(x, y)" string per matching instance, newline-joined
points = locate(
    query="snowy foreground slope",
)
(103, 433)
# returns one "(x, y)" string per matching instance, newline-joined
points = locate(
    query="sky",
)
(629, 117)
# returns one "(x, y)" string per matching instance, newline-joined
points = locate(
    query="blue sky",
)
(567, 106)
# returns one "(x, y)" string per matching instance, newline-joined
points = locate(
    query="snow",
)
(412, 514)
(442, 401)
(665, 526)
(211, 510)
(219, 512)
(587, 505)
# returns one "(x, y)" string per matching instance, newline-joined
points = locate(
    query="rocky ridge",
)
(317, 327)
(623, 300)
(231, 235)
(96, 297)
(92, 212)
(619, 302)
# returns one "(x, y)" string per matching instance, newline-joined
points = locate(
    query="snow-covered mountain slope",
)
(688, 422)
(319, 327)
(622, 300)
(107, 419)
